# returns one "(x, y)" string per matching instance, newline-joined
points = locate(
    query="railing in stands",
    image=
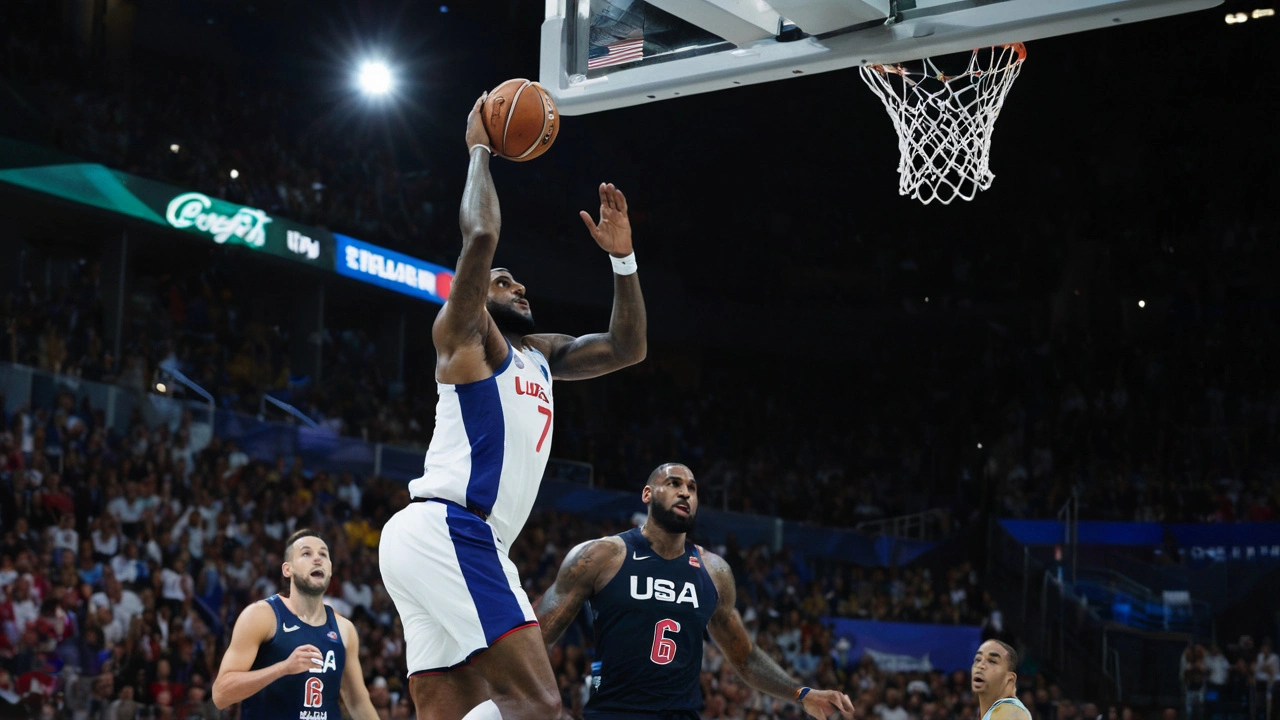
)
(928, 525)
(1121, 600)
(567, 485)
(23, 387)
(1070, 631)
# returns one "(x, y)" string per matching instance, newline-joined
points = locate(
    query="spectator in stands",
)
(1266, 672)
(1217, 669)
(1194, 676)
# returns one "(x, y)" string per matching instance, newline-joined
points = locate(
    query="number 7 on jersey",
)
(545, 428)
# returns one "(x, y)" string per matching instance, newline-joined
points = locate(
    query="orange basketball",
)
(521, 119)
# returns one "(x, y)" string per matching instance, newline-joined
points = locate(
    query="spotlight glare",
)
(234, 173)
(1142, 303)
(160, 388)
(375, 78)
(174, 148)
(1263, 12)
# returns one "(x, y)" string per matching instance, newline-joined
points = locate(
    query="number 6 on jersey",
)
(664, 648)
(313, 696)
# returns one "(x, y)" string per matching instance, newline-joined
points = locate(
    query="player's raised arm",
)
(464, 321)
(354, 693)
(235, 680)
(626, 341)
(586, 568)
(753, 664)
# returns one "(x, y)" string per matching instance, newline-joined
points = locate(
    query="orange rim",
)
(898, 69)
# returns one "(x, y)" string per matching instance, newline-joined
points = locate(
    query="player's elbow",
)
(479, 236)
(633, 353)
(220, 698)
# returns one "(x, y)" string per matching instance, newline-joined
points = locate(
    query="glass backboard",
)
(602, 54)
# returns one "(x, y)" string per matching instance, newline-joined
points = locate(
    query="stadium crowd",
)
(124, 561)
(1139, 430)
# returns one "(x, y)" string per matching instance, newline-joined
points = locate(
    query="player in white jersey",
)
(471, 639)
(994, 680)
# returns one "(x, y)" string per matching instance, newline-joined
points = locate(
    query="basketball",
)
(521, 119)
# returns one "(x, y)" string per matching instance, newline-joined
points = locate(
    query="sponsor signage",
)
(1198, 543)
(220, 221)
(904, 647)
(392, 270)
(227, 223)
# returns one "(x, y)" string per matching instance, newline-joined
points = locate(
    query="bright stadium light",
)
(234, 173)
(174, 148)
(1263, 12)
(375, 78)
(1142, 303)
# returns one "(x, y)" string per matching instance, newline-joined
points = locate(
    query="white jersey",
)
(491, 443)
(1006, 701)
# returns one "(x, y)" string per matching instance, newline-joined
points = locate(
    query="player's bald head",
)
(666, 470)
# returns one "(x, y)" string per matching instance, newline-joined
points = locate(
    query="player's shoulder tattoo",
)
(719, 570)
(716, 565)
(588, 559)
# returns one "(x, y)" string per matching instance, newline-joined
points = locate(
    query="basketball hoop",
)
(944, 122)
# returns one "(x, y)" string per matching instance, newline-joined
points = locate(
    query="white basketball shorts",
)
(453, 585)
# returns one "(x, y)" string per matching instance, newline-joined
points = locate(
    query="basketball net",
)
(944, 122)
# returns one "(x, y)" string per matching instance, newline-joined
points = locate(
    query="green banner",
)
(227, 223)
(222, 222)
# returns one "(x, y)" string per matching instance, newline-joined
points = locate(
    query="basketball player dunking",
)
(653, 594)
(291, 657)
(995, 682)
(471, 637)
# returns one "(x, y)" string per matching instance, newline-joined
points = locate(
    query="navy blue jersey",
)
(311, 695)
(649, 623)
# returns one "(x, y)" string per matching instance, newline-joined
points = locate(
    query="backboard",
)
(603, 54)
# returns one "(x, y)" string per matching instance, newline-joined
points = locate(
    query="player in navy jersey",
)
(471, 643)
(291, 658)
(653, 594)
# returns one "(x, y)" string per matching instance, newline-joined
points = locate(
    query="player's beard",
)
(510, 320)
(307, 585)
(667, 519)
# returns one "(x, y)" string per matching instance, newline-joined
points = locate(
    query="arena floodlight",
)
(375, 78)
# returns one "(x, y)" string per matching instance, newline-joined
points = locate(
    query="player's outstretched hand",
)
(476, 134)
(823, 704)
(613, 232)
(302, 659)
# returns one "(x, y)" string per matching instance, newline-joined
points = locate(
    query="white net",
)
(944, 122)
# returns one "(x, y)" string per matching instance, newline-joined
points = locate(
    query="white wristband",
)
(480, 145)
(624, 265)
